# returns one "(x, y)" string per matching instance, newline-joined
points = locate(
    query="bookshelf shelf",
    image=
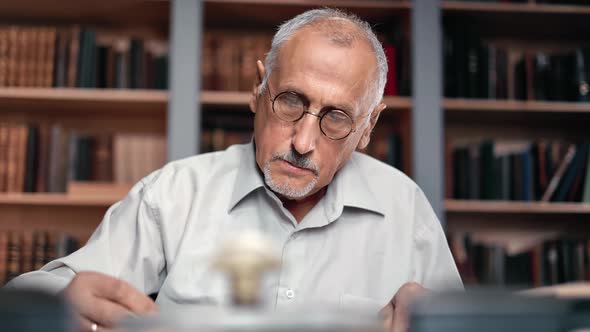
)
(514, 106)
(90, 100)
(85, 100)
(524, 8)
(397, 103)
(474, 206)
(50, 199)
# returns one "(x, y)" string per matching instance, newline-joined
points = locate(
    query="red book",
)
(391, 85)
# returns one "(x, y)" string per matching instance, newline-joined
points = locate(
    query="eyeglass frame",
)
(306, 111)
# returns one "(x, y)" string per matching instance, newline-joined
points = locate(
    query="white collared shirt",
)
(373, 231)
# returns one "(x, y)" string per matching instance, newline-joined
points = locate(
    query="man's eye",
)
(337, 116)
(291, 100)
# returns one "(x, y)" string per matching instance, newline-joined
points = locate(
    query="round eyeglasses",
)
(290, 106)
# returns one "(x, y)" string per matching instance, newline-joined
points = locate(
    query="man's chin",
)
(291, 191)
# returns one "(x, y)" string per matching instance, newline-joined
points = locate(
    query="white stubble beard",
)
(285, 190)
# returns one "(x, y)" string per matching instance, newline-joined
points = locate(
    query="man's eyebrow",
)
(347, 108)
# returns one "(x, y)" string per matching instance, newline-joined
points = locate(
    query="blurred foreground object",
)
(245, 258)
(497, 310)
(28, 311)
(571, 290)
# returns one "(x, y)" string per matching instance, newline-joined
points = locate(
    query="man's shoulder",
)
(199, 167)
(382, 177)
(229, 157)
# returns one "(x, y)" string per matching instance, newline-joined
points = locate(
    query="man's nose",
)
(307, 131)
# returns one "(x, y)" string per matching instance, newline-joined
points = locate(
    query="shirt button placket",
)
(289, 293)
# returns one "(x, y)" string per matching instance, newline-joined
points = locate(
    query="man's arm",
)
(125, 251)
(434, 268)
(433, 265)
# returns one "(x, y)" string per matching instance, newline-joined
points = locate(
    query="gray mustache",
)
(298, 160)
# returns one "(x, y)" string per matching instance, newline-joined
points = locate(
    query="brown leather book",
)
(102, 156)
(12, 160)
(247, 62)
(13, 35)
(4, 56)
(58, 159)
(51, 247)
(74, 51)
(3, 256)
(24, 56)
(26, 252)
(22, 133)
(38, 55)
(40, 243)
(207, 61)
(4, 133)
(34, 50)
(13, 259)
(120, 154)
(43, 157)
(227, 61)
(49, 57)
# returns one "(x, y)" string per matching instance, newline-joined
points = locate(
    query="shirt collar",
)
(248, 177)
(349, 187)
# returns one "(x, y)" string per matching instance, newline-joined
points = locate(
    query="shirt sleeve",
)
(434, 266)
(127, 245)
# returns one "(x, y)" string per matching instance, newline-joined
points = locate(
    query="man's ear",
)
(260, 70)
(366, 137)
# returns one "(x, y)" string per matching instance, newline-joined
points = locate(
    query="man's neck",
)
(300, 208)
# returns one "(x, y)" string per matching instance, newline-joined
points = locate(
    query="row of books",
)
(24, 251)
(48, 157)
(229, 59)
(521, 260)
(45, 158)
(486, 70)
(74, 56)
(553, 171)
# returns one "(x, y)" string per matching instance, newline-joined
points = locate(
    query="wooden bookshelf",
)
(523, 8)
(476, 105)
(476, 206)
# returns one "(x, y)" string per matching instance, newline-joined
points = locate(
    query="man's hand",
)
(100, 300)
(396, 313)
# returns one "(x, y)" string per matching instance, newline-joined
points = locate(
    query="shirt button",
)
(289, 293)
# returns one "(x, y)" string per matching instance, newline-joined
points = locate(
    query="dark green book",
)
(488, 176)
(31, 159)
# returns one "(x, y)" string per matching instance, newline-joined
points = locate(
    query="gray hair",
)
(308, 18)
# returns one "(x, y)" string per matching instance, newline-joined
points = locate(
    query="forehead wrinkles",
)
(300, 51)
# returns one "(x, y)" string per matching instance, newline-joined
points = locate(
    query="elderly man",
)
(353, 231)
